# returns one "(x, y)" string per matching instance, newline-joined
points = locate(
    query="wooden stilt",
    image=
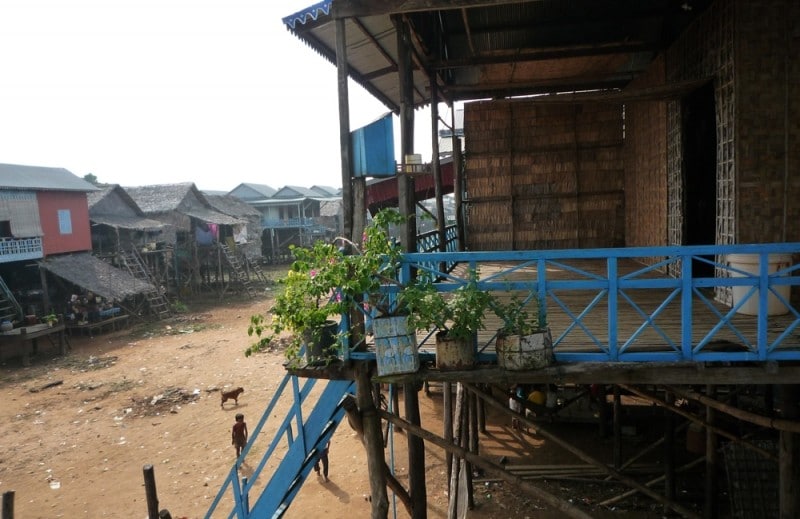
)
(150, 492)
(471, 444)
(481, 416)
(602, 420)
(373, 442)
(710, 508)
(416, 455)
(669, 450)
(789, 456)
(617, 428)
(448, 424)
(8, 504)
(556, 439)
(458, 433)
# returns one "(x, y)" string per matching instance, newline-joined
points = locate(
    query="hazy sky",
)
(216, 92)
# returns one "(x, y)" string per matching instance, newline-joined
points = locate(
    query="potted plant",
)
(458, 316)
(325, 281)
(522, 342)
(385, 304)
(51, 319)
(306, 306)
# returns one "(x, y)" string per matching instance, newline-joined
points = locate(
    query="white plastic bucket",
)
(750, 263)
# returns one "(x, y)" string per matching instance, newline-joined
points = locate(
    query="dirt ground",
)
(76, 431)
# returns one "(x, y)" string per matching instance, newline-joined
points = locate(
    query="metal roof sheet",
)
(39, 178)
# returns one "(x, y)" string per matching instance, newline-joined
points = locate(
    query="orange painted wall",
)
(50, 202)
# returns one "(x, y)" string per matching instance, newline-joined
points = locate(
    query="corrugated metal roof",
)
(284, 201)
(39, 178)
(94, 274)
(296, 192)
(263, 190)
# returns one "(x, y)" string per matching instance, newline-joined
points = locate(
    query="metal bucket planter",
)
(395, 345)
(321, 342)
(523, 352)
(454, 354)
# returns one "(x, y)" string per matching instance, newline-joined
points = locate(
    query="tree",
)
(91, 178)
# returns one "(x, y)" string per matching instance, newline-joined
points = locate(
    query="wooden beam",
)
(494, 469)
(746, 416)
(677, 410)
(353, 8)
(539, 55)
(682, 373)
(582, 455)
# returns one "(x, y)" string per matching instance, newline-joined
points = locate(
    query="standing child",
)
(239, 434)
(515, 406)
(323, 457)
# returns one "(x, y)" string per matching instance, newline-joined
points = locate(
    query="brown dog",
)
(233, 394)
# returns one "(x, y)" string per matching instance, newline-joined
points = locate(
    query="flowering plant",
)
(327, 280)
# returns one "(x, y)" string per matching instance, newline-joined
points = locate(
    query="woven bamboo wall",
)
(543, 176)
(645, 168)
(768, 120)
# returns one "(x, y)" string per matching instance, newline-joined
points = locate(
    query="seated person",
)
(92, 307)
(109, 309)
(75, 310)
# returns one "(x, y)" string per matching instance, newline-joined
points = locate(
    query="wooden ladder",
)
(10, 309)
(156, 300)
(255, 268)
(237, 268)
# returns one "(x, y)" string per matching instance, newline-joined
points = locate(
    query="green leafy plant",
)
(517, 319)
(50, 318)
(327, 280)
(460, 314)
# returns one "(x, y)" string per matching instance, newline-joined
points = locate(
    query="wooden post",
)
(710, 509)
(617, 428)
(373, 442)
(602, 415)
(481, 416)
(150, 492)
(669, 450)
(416, 455)
(452, 507)
(473, 445)
(458, 189)
(342, 72)
(8, 504)
(447, 420)
(405, 183)
(789, 456)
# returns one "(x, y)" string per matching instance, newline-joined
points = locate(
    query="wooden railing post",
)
(8, 505)
(150, 492)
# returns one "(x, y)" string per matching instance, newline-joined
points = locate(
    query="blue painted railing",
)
(642, 304)
(19, 249)
(310, 423)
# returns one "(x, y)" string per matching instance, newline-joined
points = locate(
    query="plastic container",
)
(750, 263)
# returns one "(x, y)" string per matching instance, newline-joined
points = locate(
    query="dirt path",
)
(77, 431)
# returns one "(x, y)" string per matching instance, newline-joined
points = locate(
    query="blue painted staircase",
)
(290, 455)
